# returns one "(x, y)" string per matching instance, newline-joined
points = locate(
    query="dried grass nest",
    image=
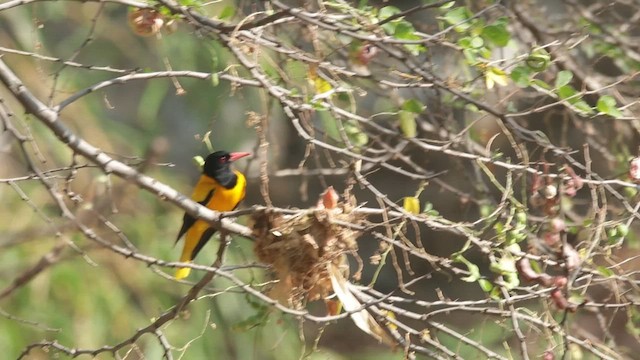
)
(302, 247)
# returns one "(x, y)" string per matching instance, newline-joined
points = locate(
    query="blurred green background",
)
(91, 297)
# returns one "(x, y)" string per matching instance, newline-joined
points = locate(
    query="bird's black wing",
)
(206, 236)
(188, 220)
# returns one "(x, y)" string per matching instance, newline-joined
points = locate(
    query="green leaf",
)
(390, 27)
(356, 136)
(511, 280)
(476, 42)
(296, 70)
(497, 34)
(630, 192)
(486, 285)
(607, 104)
(227, 12)
(429, 210)
(474, 270)
(513, 249)
(465, 42)
(456, 15)
(408, 123)
(257, 320)
(623, 229)
(501, 21)
(474, 273)
(414, 106)
(634, 319)
(506, 265)
(485, 210)
(404, 30)
(199, 161)
(564, 77)
(541, 84)
(447, 5)
(520, 76)
(583, 106)
(387, 11)
(415, 49)
(606, 272)
(329, 124)
(485, 52)
(539, 60)
(470, 55)
(567, 92)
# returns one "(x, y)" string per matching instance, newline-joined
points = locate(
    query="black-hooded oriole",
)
(219, 188)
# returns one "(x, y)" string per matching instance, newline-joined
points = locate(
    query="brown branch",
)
(51, 119)
(47, 260)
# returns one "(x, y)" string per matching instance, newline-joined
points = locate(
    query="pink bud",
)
(366, 53)
(551, 238)
(329, 198)
(634, 169)
(557, 225)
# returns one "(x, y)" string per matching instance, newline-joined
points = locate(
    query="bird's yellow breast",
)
(224, 199)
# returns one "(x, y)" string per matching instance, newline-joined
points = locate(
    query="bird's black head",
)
(216, 166)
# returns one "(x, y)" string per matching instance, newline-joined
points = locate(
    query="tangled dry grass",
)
(302, 247)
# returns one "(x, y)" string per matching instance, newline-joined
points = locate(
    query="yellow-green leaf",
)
(199, 161)
(607, 104)
(411, 204)
(215, 79)
(563, 78)
(474, 270)
(495, 76)
(486, 285)
(322, 86)
(408, 123)
(413, 106)
(227, 12)
(497, 34)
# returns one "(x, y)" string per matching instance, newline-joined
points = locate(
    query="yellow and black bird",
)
(219, 188)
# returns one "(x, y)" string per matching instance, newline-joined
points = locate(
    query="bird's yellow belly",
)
(225, 200)
(222, 200)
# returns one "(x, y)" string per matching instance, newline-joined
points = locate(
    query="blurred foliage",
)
(479, 60)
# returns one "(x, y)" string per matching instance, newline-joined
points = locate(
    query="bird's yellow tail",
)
(182, 273)
(185, 257)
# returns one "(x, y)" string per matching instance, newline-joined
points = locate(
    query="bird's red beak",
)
(238, 155)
